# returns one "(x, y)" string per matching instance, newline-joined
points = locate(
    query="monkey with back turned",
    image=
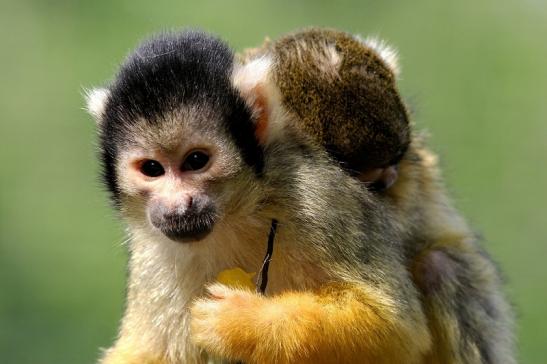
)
(200, 154)
(341, 91)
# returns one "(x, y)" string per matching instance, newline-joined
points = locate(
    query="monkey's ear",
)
(255, 84)
(96, 100)
(387, 53)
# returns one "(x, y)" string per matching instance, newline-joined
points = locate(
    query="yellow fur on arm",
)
(339, 324)
(129, 356)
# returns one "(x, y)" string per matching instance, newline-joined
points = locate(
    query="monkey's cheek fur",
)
(217, 321)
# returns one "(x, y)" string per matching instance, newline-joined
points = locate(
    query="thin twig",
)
(262, 281)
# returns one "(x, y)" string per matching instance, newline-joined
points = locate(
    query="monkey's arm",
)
(469, 319)
(338, 324)
(126, 353)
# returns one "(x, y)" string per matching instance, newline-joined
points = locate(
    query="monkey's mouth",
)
(186, 228)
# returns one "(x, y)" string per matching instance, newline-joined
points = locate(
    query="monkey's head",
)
(342, 92)
(176, 139)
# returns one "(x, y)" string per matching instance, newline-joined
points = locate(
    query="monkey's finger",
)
(217, 291)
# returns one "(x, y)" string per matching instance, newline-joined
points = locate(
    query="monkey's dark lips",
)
(188, 236)
(187, 228)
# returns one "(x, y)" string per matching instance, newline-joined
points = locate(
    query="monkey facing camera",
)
(197, 147)
(166, 149)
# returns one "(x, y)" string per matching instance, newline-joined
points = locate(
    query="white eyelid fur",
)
(253, 80)
(248, 76)
(96, 100)
(385, 51)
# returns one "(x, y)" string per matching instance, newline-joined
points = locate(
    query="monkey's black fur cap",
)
(165, 73)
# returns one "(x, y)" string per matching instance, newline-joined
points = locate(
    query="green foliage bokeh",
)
(475, 74)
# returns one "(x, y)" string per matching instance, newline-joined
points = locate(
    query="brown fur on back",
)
(356, 112)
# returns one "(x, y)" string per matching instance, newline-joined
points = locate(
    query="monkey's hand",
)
(338, 324)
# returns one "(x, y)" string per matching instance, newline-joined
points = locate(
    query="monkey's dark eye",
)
(152, 168)
(195, 161)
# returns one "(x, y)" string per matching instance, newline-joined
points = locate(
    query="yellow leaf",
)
(237, 278)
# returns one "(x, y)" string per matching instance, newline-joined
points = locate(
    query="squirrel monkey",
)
(200, 154)
(341, 91)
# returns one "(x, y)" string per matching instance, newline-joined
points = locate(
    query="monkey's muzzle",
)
(194, 224)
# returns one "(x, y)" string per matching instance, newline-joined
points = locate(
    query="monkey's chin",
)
(188, 236)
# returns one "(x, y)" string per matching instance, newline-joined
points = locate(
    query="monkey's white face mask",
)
(176, 176)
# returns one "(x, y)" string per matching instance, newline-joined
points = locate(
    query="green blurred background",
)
(475, 73)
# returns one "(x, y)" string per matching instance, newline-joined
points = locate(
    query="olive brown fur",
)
(355, 111)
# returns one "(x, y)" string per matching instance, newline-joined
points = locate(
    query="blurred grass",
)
(475, 72)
